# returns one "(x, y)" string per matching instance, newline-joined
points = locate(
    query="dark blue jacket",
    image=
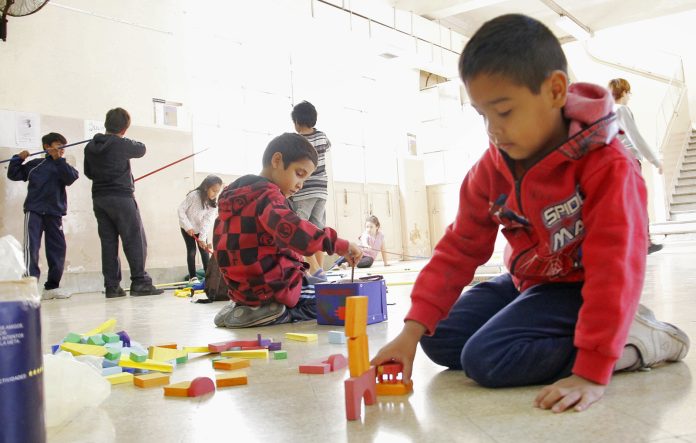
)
(47, 181)
(107, 164)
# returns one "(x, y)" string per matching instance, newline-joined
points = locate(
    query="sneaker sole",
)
(647, 319)
(256, 322)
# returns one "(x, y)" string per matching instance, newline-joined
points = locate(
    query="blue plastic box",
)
(331, 300)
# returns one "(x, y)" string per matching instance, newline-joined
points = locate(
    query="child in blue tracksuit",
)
(44, 208)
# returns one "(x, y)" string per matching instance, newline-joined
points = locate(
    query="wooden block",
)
(357, 389)
(95, 340)
(397, 388)
(151, 365)
(167, 345)
(182, 358)
(201, 386)
(112, 354)
(83, 349)
(117, 379)
(358, 355)
(227, 345)
(304, 337)
(231, 379)
(280, 355)
(230, 364)
(315, 368)
(72, 338)
(337, 361)
(137, 355)
(257, 353)
(110, 337)
(177, 389)
(251, 348)
(275, 346)
(337, 337)
(162, 354)
(196, 349)
(107, 326)
(356, 316)
(151, 380)
(111, 370)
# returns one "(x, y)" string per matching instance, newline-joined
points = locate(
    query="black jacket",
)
(107, 164)
(47, 181)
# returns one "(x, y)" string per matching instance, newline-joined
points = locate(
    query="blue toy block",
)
(275, 346)
(55, 349)
(109, 363)
(111, 370)
(124, 338)
(337, 337)
(131, 370)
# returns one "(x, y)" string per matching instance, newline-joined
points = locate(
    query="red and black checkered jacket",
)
(259, 242)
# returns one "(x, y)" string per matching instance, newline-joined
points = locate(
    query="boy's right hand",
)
(354, 254)
(23, 155)
(190, 232)
(402, 349)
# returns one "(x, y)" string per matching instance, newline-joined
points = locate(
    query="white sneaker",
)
(656, 341)
(194, 280)
(50, 294)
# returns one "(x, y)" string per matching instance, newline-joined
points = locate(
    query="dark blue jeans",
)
(501, 337)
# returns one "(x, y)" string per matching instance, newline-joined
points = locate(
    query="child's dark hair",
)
(294, 147)
(52, 137)
(202, 189)
(304, 114)
(117, 120)
(373, 219)
(515, 46)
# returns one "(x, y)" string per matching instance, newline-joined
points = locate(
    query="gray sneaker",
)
(50, 294)
(656, 341)
(241, 316)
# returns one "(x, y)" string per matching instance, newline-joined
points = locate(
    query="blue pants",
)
(501, 337)
(35, 225)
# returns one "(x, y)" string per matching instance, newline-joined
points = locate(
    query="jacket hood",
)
(100, 142)
(241, 192)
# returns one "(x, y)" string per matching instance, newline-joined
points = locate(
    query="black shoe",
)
(137, 291)
(114, 292)
(654, 247)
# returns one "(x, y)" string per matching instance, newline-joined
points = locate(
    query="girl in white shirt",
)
(196, 215)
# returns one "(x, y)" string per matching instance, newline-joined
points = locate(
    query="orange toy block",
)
(230, 364)
(151, 380)
(398, 388)
(194, 388)
(357, 389)
(231, 379)
(356, 316)
(358, 355)
(167, 345)
(177, 389)
(390, 380)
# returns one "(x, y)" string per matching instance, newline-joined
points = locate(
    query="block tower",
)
(361, 384)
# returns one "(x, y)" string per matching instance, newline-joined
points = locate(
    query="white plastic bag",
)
(11, 259)
(69, 387)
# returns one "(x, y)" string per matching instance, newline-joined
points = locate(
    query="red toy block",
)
(389, 372)
(315, 368)
(337, 361)
(357, 389)
(219, 346)
(252, 348)
(201, 386)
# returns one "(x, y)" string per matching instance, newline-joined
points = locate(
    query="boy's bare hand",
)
(354, 254)
(55, 153)
(402, 349)
(23, 155)
(568, 392)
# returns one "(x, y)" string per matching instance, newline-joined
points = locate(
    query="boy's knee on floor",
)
(433, 349)
(480, 365)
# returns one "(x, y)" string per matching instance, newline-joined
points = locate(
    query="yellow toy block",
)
(122, 377)
(230, 364)
(231, 379)
(107, 326)
(162, 354)
(177, 389)
(358, 356)
(196, 349)
(305, 337)
(152, 365)
(356, 316)
(83, 349)
(151, 380)
(251, 353)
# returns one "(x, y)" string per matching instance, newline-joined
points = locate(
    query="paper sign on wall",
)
(27, 130)
(92, 128)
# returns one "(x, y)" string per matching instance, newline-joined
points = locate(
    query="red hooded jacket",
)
(257, 238)
(578, 214)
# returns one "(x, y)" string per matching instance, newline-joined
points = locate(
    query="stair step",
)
(674, 227)
(683, 215)
(686, 181)
(685, 189)
(687, 174)
(683, 198)
(682, 207)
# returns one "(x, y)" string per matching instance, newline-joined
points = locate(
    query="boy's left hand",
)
(354, 254)
(568, 392)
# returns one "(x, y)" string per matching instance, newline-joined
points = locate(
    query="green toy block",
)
(111, 338)
(280, 355)
(95, 340)
(182, 359)
(138, 356)
(112, 354)
(72, 338)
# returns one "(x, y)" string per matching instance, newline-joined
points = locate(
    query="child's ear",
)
(277, 160)
(558, 88)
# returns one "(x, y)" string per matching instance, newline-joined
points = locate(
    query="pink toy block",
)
(315, 368)
(357, 389)
(337, 361)
(201, 386)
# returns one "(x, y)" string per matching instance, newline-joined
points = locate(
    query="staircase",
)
(683, 206)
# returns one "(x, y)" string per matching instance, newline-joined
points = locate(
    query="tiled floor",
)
(279, 404)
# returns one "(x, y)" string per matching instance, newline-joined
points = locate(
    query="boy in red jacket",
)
(572, 205)
(259, 240)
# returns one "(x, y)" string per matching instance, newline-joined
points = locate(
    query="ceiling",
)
(466, 16)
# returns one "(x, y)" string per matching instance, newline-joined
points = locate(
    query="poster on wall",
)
(93, 127)
(27, 130)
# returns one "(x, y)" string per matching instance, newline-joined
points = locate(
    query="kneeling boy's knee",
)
(480, 365)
